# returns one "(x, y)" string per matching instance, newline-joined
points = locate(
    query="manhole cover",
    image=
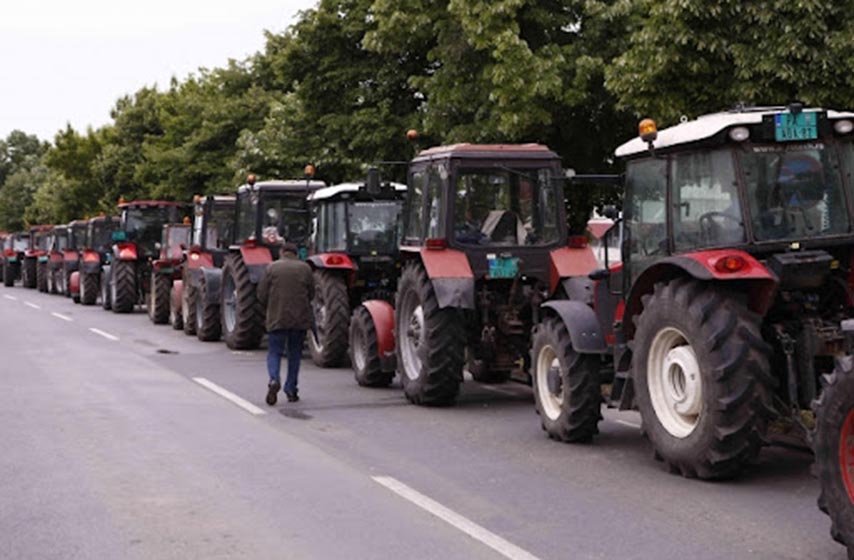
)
(293, 413)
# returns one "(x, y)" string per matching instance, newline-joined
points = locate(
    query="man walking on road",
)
(286, 290)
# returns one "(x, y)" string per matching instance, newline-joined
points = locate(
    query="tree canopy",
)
(340, 87)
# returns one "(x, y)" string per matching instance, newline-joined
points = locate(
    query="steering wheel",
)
(707, 224)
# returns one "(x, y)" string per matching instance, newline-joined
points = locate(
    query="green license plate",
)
(791, 128)
(503, 267)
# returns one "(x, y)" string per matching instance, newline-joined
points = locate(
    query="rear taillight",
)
(577, 241)
(730, 264)
(10, 252)
(335, 260)
(436, 244)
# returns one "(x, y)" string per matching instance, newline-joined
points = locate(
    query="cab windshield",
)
(506, 207)
(101, 235)
(220, 226)
(76, 236)
(373, 225)
(144, 225)
(284, 218)
(795, 191)
(21, 243)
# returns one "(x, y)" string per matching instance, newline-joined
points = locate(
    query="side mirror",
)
(610, 212)
(372, 183)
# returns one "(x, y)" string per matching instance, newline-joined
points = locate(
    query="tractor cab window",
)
(417, 183)
(496, 207)
(373, 226)
(76, 237)
(60, 241)
(332, 235)
(220, 226)
(177, 237)
(143, 225)
(705, 205)
(794, 191)
(100, 235)
(42, 242)
(21, 243)
(645, 213)
(284, 218)
(247, 201)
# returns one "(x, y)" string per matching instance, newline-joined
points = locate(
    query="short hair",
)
(289, 247)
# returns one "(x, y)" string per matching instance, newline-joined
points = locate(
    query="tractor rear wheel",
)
(176, 315)
(242, 313)
(834, 451)
(364, 351)
(702, 379)
(208, 326)
(188, 308)
(106, 290)
(328, 340)
(28, 273)
(158, 303)
(41, 277)
(430, 341)
(8, 276)
(123, 292)
(567, 393)
(50, 282)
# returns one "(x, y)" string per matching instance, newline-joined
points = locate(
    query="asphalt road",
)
(114, 445)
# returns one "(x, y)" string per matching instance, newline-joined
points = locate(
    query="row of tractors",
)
(728, 322)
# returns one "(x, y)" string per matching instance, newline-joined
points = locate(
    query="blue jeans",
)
(276, 351)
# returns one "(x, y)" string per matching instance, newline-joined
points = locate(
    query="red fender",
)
(253, 255)
(567, 262)
(198, 259)
(91, 256)
(126, 251)
(339, 261)
(382, 314)
(70, 255)
(74, 283)
(446, 263)
(177, 293)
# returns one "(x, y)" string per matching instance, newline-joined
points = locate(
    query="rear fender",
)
(70, 256)
(197, 259)
(74, 283)
(382, 315)
(213, 283)
(568, 262)
(581, 322)
(757, 282)
(451, 275)
(338, 261)
(256, 260)
(126, 252)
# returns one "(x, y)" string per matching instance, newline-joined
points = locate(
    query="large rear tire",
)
(50, 281)
(41, 277)
(834, 451)
(106, 290)
(88, 288)
(364, 351)
(158, 303)
(567, 393)
(328, 341)
(188, 307)
(176, 314)
(28, 273)
(702, 379)
(207, 315)
(8, 276)
(430, 341)
(123, 287)
(242, 313)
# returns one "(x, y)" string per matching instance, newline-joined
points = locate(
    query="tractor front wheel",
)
(430, 341)
(242, 313)
(567, 393)
(123, 294)
(834, 451)
(208, 326)
(328, 340)
(702, 379)
(158, 303)
(364, 351)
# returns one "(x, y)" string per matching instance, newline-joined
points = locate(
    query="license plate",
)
(791, 128)
(503, 267)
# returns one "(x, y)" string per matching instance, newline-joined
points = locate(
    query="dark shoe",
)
(272, 392)
(292, 397)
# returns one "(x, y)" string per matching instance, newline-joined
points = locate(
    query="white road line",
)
(63, 317)
(13, 298)
(627, 423)
(467, 526)
(104, 334)
(229, 396)
(33, 305)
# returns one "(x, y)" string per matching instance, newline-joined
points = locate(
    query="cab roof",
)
(280, 185)
(334, 190)
(147, 203)
(706, 126)
(487, 151)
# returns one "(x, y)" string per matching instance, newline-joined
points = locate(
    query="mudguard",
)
(256, 260)
(176, 293)
(568, 262)
(451, 275)
(126, 252)
(213, 281)
(583, 325)
(339, 261)
(198, 259)
(74, 283)
(382, 314)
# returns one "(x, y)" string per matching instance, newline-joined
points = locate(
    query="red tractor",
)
(14, 247)
(93, 242)
(833, 442)
(196, 298)
(267, 213)
(355, 250)
(128, 275)
(487, 260)
(57, 244)
(71, 257)
(737, 270)
(34, 268)
(166, 269)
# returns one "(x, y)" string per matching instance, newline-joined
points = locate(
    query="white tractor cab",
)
(736, 273)
(354, 253)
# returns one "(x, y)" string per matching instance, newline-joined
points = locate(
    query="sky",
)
(68, 61)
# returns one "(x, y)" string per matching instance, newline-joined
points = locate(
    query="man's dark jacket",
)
(286, 290)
